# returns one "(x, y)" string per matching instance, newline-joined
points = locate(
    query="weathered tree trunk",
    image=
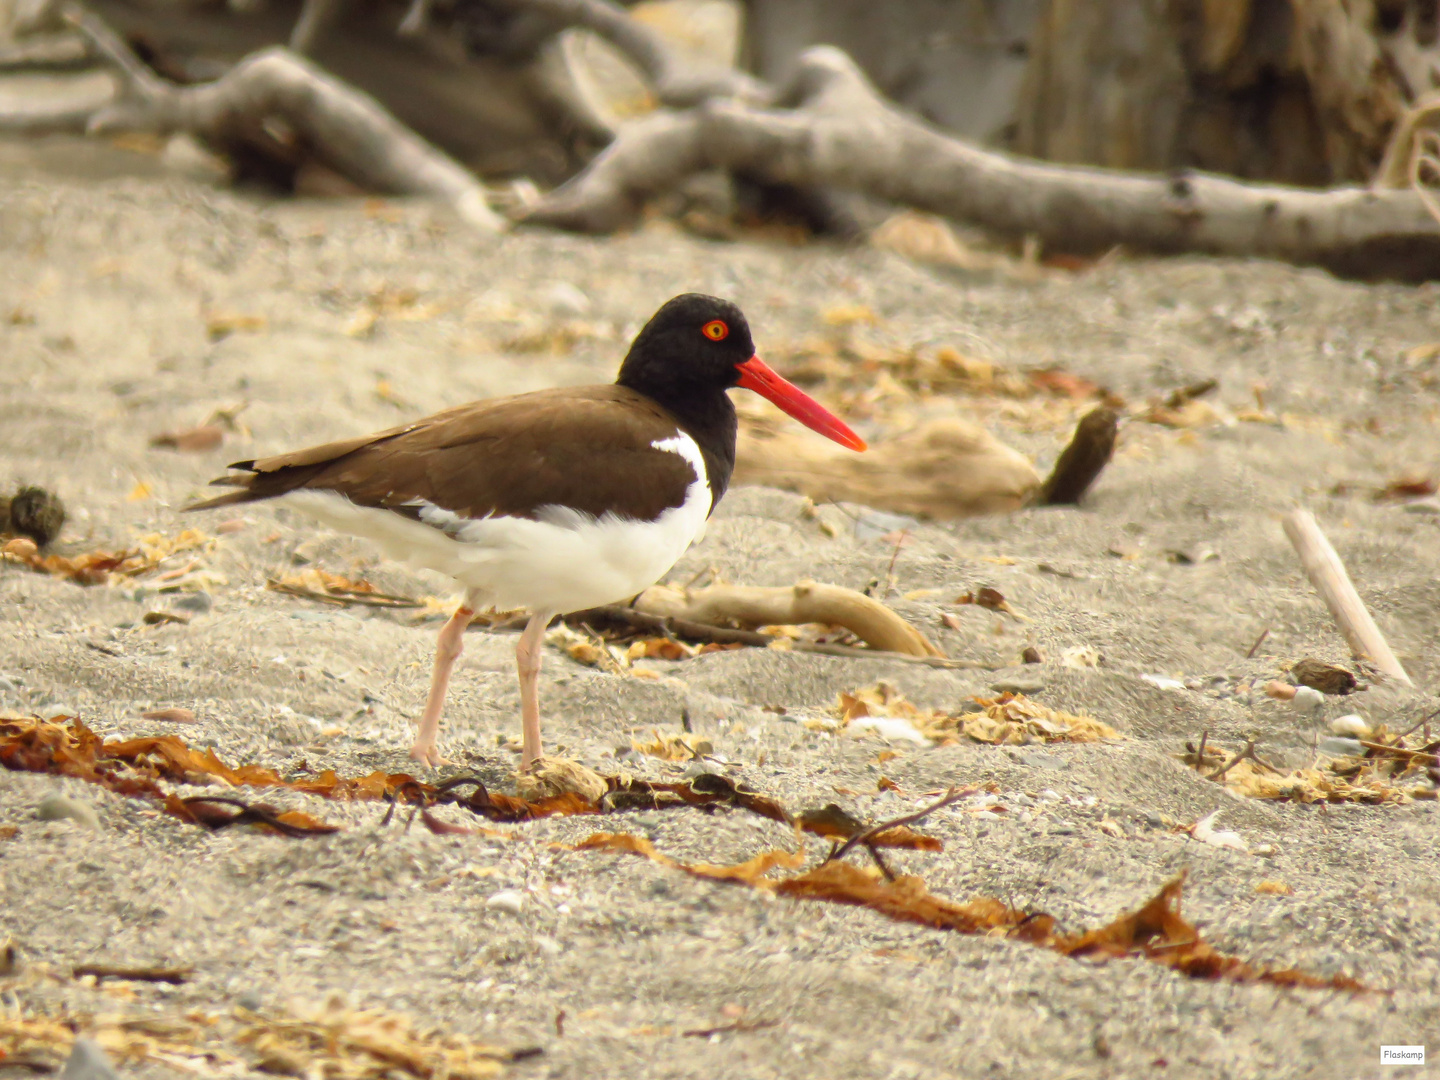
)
(842, 134)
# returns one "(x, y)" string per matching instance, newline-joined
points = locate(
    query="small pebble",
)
(87, 1061)
(562, 298)
(199, 602)
(511, 901)
(1155, 821)
(1018, 684)
(1338, 747)
(249, 999)
(58, 807)
(1045, 761)
(1280, 691)
(1307, 700)
(1351, 725)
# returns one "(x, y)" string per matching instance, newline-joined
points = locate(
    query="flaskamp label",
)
(1402, 1055)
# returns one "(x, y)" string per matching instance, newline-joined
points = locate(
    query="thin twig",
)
(1258, 642)
(1249, 751)
(725, 635)
(343, 597)
(174, 975)
(1430, 759)
(1200, 754)
(955, 794)
(889, 582)
(1418, 724)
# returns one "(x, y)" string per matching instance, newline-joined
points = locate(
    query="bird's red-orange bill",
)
(758, 376)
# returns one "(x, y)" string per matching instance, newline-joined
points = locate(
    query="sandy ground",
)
(106, 286)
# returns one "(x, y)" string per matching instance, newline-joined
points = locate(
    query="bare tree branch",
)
(350, 129)
(841, 133)
(677, 80)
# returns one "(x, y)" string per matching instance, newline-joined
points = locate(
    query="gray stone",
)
(199, 602)
(1022, 683)
(88, 1062)
(249, 999)
(1045, 761)
(59, 807)
(1336, 746)
(510, 901)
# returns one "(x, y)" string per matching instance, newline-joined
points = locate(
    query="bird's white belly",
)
(564, 561)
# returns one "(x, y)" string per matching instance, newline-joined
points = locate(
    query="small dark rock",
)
(38, 514)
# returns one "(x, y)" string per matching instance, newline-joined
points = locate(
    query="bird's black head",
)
(691, 349)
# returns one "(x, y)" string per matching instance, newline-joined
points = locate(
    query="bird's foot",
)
(427, 753)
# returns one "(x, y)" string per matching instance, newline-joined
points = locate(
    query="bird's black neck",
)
(708, 417)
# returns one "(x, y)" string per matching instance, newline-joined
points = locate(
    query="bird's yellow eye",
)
(715, 330)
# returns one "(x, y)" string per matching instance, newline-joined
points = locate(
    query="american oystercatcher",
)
(552, 501)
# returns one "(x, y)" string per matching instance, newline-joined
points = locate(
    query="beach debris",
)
(60, 807)
(172, 975)
(1204, 830)
(1405, 488)
(329, 1039)
(1010, 719)
(1164, 682)
(1080, 657)
(1083, 459)
(87, 1061)
(1327, 678)
(1377, 769)
(101, 566)
(1156, 932)
(190, 440)
(221, 324)
(509, 901)
(33, 512)
(316, 584)
(1351, 725)
(1327, 573)
(550, 777)
(1307, 700)
(795, 605)
(1280, 691)
(991, 599)
(672, 746)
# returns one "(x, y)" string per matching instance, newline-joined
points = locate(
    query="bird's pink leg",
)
(527, 663)
(447, 650)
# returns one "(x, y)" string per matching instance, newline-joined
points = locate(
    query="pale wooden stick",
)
(1327, 574)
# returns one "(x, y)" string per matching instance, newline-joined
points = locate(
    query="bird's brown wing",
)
(588, 449)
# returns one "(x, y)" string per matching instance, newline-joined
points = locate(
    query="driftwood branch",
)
(1082, 461)
(678, 81)
(1327, 574)
(944, 469)
(833, 129)
(44, 52)
(726, 635)
(792, 605)
(351, 130)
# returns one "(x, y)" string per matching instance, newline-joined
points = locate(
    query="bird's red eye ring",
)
(716, 330)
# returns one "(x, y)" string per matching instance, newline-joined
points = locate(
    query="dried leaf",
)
(907, 900)
(749, 873)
